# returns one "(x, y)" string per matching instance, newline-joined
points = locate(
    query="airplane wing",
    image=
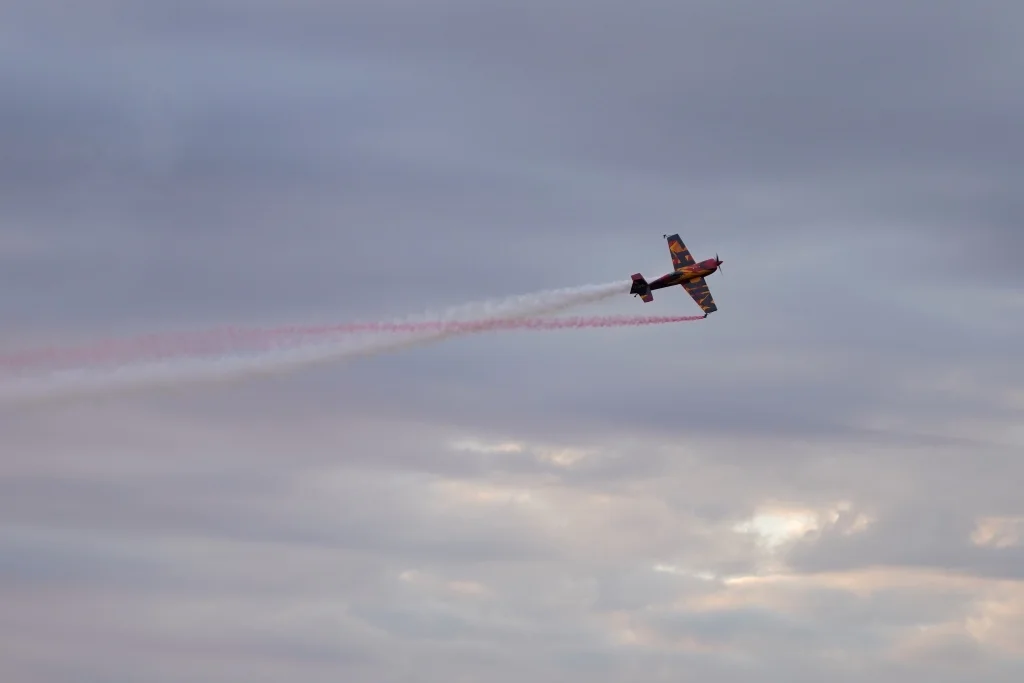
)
(698, 288)
(680, 254)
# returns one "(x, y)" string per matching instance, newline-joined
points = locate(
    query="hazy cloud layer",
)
(819, 482)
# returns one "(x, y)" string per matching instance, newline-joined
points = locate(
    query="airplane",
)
(688, 274)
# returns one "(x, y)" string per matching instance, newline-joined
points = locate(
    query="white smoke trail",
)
(76, 383)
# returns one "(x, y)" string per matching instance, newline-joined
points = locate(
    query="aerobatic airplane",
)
(688, 274)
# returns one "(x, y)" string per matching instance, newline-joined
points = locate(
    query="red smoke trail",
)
(150, 346)
(155, 346)
(574, 322)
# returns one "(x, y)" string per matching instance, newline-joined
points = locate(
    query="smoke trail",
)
(456, 321)
(169, 345)
(471, 326)
(274, 363)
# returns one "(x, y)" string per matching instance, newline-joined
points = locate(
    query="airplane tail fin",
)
(641, 288)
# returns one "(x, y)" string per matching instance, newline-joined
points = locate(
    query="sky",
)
(821, 481)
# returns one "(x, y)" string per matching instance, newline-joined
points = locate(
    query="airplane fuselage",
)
(702, 269)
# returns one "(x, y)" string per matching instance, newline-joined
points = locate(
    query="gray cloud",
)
(688, 498)
(934, 536)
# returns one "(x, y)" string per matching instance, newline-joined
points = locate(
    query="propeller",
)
(719, 262)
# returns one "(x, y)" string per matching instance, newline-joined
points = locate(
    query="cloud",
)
(817, 482)
(478, 561)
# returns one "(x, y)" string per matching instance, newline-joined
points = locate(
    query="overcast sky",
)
(822, 481)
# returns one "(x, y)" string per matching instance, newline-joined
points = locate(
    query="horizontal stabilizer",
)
(641, 288)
